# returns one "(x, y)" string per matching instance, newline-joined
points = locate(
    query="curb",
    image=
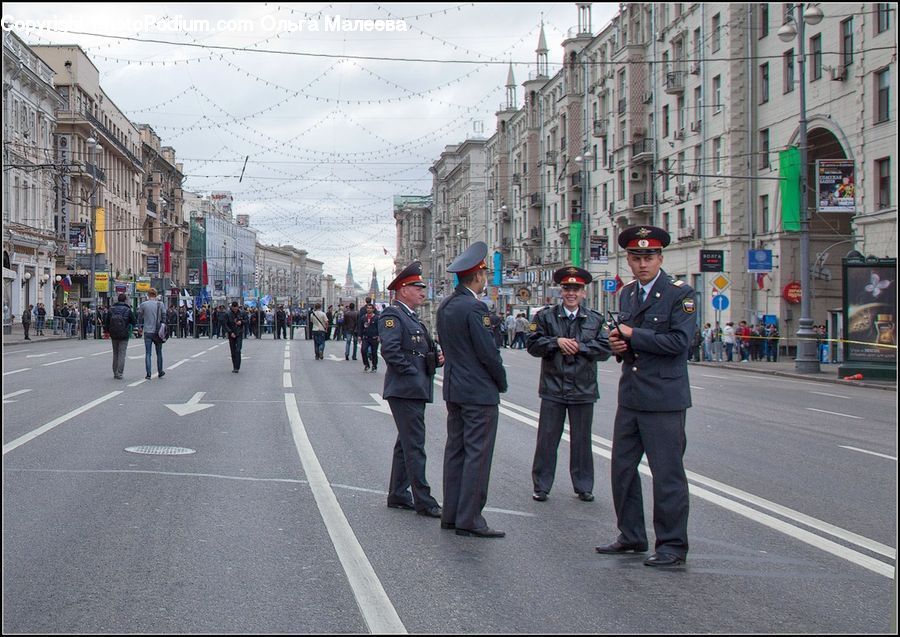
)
(821, 379)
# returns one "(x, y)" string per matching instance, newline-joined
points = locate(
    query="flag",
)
(760, 280)
(385, 251)
(66, 283)
(619, 284)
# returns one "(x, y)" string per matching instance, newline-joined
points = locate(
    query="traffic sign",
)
(720, 302)
(721, 282)
(609, 285)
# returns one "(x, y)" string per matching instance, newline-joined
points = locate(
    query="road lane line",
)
(41, 355)
(18, 442)
(16, 371)
(198, 354)
(822, 393)
(287, 364)
(833, 413)
(874, 453)
(136, 383)
(181, 362)
(65, 360)
(763, 518)
(377, 610)
(99, 353)
(288, 383)
(15, 393)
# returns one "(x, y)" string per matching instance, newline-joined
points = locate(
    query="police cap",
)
(410, 275)
(471, 260)
(570, 275)
(644, 239)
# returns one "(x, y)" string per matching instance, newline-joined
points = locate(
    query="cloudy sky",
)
(335, 120)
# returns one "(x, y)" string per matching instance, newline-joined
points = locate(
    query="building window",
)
(763, 19)
(883, 17)
(717, 218)
(717, 93)
(681, 114)
(883, 92)
(666, 175)
(788, 71)
(698, 220)
(847, 42)
(763, 83)
(815, 57)
(682, 218)
(716, 32)
(764, 214)
(666, 120)
(764, 148)
(666, 221)
(717, 155)
(883, 171)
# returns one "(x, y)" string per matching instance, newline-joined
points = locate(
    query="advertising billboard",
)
(870, 310)
(835, 185)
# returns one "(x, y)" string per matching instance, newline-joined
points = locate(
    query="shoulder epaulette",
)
(677, 282)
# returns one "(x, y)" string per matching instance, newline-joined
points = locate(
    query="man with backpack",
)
(120, 321)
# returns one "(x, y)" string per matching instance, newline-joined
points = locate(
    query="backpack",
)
(118, 325)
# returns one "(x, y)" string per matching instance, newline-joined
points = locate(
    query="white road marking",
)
(21, 440)
(712, 376)
(99, 353)
(287, 364)
(65, 360)
(16, 371)
(15, 393)
(874, 453)
(695, 387)
(191, 406)
(822, 393)
(287, 380)
(382, 405)
(41, 355)
(181, 362)
(136, 383)
(198, 354)
(376, 607)
(833, 413)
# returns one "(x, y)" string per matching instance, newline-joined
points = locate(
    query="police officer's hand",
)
(616, 343)
(440, 358)
(568, 346)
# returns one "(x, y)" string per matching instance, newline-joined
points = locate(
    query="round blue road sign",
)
(720, 302)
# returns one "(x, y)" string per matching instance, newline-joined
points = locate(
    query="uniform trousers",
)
(236, 344)
(661, 435)
(471, 433)
(408, 466)
(581, 457)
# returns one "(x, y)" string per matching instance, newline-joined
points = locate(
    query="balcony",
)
(675, 82)
(575, 180)
(537, 199)
(551, 157)
(641, 200)
(686, 234)
(151, 207)
(516, 179)
(601, 127)
(623, 103)
(534, 233)
(642, 151)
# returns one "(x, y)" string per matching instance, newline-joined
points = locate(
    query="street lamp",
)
(26, 278)
(807, 360)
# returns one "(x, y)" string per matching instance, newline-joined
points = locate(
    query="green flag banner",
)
(575, 242)
(789, 171)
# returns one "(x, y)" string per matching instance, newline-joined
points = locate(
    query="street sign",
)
(720, 302)
(609, 285)
(712, 260)
(722, 282)
(759, 261)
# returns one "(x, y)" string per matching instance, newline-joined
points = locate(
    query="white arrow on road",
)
(382, 406)
(191, 406)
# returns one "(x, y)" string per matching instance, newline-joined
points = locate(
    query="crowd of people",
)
(742, 343)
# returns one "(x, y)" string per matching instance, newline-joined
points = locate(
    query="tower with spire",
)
(373, 286)
(349, 284)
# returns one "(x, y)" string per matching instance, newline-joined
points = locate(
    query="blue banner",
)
(759, 261)
(498, 268)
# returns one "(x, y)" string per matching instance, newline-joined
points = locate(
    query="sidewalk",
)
(786, 367)
(17, 336)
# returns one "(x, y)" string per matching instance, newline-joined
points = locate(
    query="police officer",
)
(234, 322)
(656, 328)
(411, 359)
(569, 340)
(473, 380)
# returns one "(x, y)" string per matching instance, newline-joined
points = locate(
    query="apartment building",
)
(32, 239)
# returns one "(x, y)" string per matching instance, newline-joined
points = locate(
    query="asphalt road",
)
(277, 520)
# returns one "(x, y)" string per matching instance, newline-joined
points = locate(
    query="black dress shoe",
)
(539, 496)
(448, 526)
(617, 547)
(431, 512)
(663, 559)
(483, 532)
(586, 496)
(401, 505)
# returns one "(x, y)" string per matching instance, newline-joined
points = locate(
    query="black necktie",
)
(643, 295)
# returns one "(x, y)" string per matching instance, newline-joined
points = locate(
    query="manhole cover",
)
(158, 450)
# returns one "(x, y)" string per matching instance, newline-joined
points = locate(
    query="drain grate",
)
(159, 450)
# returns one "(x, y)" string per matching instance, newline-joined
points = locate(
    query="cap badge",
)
(389, 322)
(643, 243)
(643, 232)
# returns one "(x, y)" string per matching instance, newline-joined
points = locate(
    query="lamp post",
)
(582, 160)
(95, 149)
(807, 360)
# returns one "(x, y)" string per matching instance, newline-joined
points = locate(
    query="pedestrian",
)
(510, 321)
(656, 327)
(339, 323)
(772, 343)
(172, 319)
(729, 337)
(742, 338)
(707, 342)
(319, 323)
(368, 332)
(411, 357)
(521, 330)
(26, 320)
(717, 343)
(329, 314)
(150, 316)
(40, 319)
(351, 316)
(235, 321)
(569, 340)
(119, 324)
(474, 378)
(280, 323)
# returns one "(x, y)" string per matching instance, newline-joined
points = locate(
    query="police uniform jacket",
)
(231, 326)
(564, 378)
(664, 325)
(473, 369)
(404, 345)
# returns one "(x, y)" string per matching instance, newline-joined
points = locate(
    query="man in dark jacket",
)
(411, 359)
(569, 339)
(368, 332)
(351, 316)
(235, 320)
(473, 380)
(119, 324)
(656, 327)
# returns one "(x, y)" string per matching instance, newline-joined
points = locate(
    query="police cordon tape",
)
(816, 339)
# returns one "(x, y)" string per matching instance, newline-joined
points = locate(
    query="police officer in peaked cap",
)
(474, 378)
(656, 328)
(411, 358)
